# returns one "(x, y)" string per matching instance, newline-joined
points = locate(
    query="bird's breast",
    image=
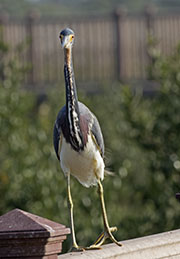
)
(86, 165)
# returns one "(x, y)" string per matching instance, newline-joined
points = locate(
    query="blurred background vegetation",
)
(142, 147)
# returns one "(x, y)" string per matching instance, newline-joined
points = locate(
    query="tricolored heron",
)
(79, 144)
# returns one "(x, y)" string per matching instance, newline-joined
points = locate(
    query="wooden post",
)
(149, 12)
(119, 15)
(1, 28)
(31, 19)
(4, 47)
(24, 235)
(3, 20)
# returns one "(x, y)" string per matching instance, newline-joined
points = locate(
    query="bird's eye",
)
(61, 37)
(72, 37)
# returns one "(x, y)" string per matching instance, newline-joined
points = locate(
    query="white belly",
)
(86, 166)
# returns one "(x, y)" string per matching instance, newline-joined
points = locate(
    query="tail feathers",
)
(107, 172)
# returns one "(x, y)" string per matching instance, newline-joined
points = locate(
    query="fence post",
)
(31, 19)
(25, 235)
(119, 15)
(149, 13)
(3, 20)
(4, 47)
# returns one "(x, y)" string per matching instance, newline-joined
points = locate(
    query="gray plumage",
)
(91, 120)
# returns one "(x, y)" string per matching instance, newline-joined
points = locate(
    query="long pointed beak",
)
(64, 42)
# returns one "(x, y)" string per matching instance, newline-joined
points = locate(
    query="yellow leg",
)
(104, 235)
(108, 230)
(70, 203)
(75, 246)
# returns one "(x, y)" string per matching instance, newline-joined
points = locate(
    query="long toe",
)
(108, 233)
(94, 247)
(100, 240)
(77, 249)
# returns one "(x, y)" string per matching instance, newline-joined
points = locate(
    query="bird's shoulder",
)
(60, 120)
(88, 118)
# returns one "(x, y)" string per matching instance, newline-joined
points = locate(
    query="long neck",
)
(72, 108)
(71, 93)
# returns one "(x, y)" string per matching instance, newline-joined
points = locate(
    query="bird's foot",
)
(76, 248)
(110, 235)
(103, 236)
(107, 233)
(82, 249)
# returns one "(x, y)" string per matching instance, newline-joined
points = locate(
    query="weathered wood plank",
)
(164, 245)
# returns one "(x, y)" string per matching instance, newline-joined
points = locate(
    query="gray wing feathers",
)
(94, 126)
(57, 130)
(96, 131)
(93, 123)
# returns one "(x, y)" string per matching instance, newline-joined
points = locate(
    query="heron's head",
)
(67, 38)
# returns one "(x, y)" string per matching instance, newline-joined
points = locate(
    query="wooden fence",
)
(106, 47)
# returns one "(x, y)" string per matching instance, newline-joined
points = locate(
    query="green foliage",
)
(26, 150)
(142, 148)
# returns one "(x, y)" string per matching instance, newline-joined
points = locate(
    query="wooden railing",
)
(164, 245)
(24, 235)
